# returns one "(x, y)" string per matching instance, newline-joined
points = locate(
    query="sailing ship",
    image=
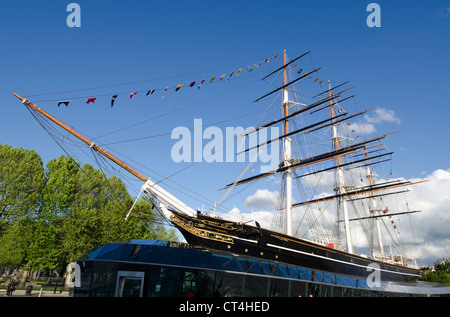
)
(330, 248)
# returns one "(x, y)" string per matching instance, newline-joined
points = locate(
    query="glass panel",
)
(344, 281)
(313, 290)
(165, 282)
(189, 284)
(131, 287)
(326, 290)
(251, 266)
(255, 286)
(228, 285)
(280, 270)
(137, 253)
(95, 253)
(268, 267)
(224, 262)
(104, 276)
(292, 272)
(111, 252)
(337, 291)
(305, 274)
(347, 292)
(197, 259)
(316, 276)
(329, 278)
(204, 283)
(279, 288)
(129, 252)
(163, 255)
(298, 289)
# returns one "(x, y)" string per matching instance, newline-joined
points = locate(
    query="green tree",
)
(45, 234)
(145, 223)
(54, 215)
(22, 179)
(14, 243)
(60, 189)
(99, 211)
(440, 272)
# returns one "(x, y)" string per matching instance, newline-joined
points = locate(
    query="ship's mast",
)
(340, 183)
(373, 210)
(287, 155)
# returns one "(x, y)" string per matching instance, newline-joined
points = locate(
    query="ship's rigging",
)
(355, 194)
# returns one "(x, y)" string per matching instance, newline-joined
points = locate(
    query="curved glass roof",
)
(179, 254)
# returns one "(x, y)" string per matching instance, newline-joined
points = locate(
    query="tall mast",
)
(287, 158)
(340, 183)
(373, 209)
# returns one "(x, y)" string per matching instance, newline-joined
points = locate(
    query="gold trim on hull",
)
(202, 233)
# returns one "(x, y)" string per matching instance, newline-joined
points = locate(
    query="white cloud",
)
(361, 128)
(382, 115)
(368, 126)
(263, 199)
(264, 218)
(431, 225)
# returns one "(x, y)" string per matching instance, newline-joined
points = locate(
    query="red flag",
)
(133, 94)
(91, 100)
(192, 84)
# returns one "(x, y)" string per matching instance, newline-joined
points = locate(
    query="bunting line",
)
(178, 87)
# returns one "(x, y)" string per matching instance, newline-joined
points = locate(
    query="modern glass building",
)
(147, 268)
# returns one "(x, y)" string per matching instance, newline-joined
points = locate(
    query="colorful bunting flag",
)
(64, 102)
(151, 91)
(112, 100)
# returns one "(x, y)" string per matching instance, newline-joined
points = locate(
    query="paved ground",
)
(35, 293)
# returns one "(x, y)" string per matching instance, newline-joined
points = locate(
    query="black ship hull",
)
(219, 234)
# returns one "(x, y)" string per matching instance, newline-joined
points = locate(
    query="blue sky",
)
(403, 66)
